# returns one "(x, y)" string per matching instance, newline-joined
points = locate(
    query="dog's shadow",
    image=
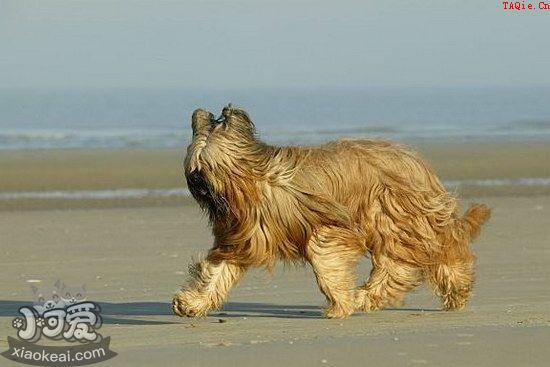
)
(117, 313)
(249, 309)
(229, 310)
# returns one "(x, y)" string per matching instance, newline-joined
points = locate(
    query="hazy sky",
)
(279, 43)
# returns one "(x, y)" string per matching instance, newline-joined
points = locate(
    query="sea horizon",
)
(92, 118)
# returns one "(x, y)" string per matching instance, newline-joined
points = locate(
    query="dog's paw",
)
(367, 302)
(451, 303)
(339, 311)
(190, 304)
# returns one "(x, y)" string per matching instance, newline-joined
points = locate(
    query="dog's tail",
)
(474, 218)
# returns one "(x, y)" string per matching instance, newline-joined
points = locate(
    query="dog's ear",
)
(238, 118)
(200, 118)
(227, 110)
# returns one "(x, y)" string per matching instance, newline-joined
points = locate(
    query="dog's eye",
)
(196, 183)
(196, 178)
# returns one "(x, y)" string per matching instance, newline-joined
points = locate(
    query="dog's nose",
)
(215, 120)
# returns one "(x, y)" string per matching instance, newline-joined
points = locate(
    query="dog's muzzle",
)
(197, 184)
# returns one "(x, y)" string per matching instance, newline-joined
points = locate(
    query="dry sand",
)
(133, 259)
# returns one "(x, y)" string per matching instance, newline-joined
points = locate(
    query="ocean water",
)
(159, 118)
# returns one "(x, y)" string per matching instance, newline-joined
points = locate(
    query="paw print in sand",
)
(18, 323)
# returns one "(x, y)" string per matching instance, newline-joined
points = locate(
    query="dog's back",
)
(377, 180)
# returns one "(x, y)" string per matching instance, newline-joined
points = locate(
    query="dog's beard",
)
(205, 195)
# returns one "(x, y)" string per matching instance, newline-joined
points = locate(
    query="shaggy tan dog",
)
(328, 206)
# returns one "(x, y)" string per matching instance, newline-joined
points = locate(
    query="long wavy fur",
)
(293, 203)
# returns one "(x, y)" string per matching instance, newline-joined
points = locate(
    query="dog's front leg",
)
(207, 289)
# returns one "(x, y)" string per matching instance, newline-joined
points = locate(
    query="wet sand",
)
(160, 169)
(133, 259)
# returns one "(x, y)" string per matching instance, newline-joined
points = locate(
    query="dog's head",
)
(218, 163)
(233, 125)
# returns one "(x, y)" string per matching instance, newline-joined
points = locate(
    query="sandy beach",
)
(69, 170)
(99, 101)
(133, 254)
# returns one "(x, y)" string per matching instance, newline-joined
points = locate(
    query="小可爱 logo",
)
(60, 313)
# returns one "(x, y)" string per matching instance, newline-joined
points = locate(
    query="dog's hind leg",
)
(333, 253)
(388, 282)
(453, 277)
(207, 289)
(453, 283)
